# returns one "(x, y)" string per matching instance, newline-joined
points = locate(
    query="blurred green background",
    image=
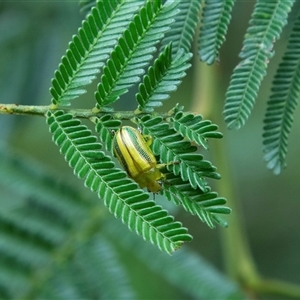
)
(34, 36)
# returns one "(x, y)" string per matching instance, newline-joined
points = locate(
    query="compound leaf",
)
(282, 104)
(215, 21)
(90, 48)
(267, 21)
(120, 194)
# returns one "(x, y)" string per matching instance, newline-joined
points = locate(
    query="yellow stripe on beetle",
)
(133, 152)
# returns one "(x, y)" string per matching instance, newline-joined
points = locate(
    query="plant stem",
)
(278, 288)
(35, 110)
(238, 259)
(239, 262)
(15, 109)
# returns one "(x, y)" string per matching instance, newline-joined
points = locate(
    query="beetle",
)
(133, 151)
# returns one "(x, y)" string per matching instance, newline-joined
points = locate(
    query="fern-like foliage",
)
(102, 258)
(90, 48)
(120, 194)
(195, 128)
(49, 252)
(134, 51)
(171, 146)
(50, 245)
(206, 205)
(13, 175)
(162, 78)
(267, 21)
(281, 106)
(215, 21)
(186, 184)
(21, 252)
(185, 269)
(105, 126)
(182, 31)
(92, 273)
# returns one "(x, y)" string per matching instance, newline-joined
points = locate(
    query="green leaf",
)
(96, 256)
(120, 194)
(162, 79)
(134, 51)
(90, 48)
(282, 104)
(182, 31)
(215, 21)
(194, 128)
(50, 244)
(171, 146)
(185, 269)
(37, 188)
(206, 205)
(106, 126)
(267, 21)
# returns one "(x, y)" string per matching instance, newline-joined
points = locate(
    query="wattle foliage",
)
(282, 104)
(267, 21)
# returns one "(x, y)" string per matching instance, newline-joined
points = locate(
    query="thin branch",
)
(277, 287)
(239, 261)
(15, 109)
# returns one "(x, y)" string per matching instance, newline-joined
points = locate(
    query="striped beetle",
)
(134, 154)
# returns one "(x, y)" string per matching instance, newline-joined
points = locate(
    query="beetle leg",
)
(148, 139)
(159, 166)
